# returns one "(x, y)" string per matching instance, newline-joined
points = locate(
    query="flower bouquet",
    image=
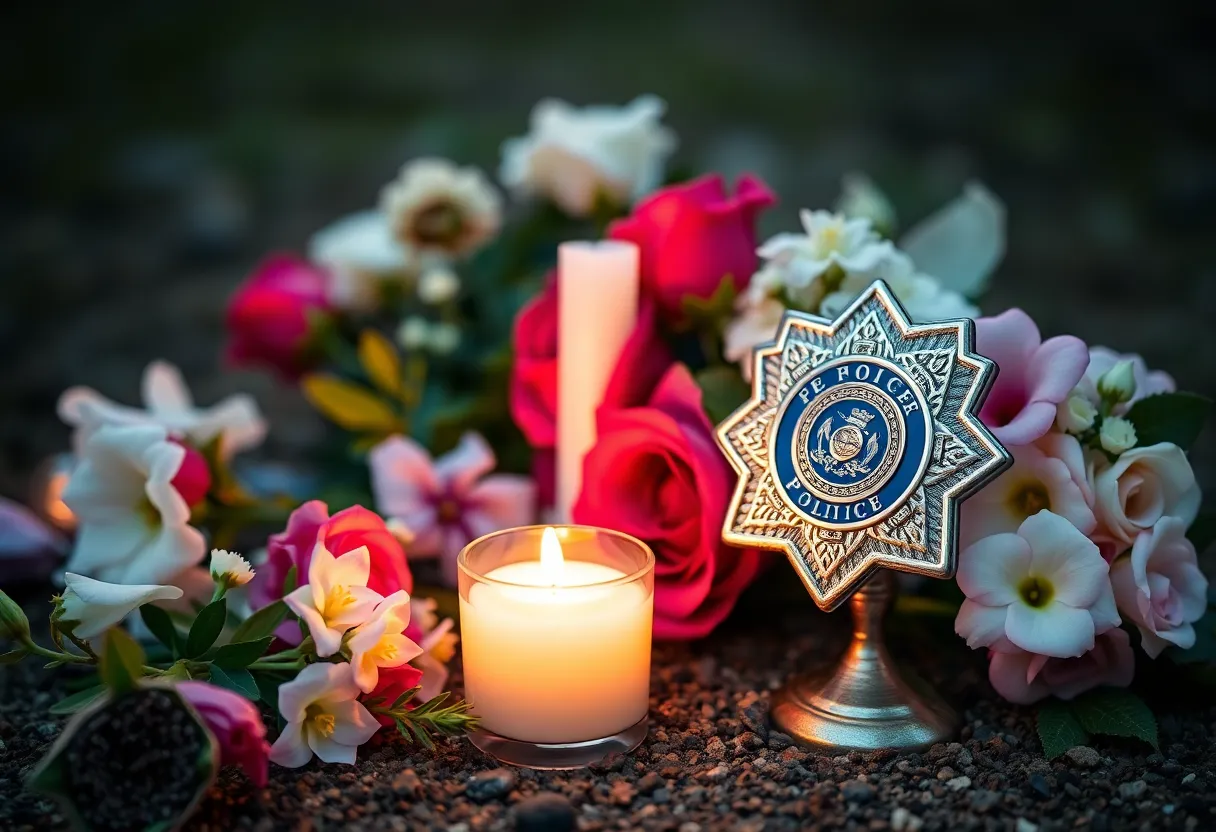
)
(425, 330)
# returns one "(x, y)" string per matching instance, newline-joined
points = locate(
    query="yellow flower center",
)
(1036, 592)
(1029, 498)
(338, 599)
(385, 650)
(319, 721)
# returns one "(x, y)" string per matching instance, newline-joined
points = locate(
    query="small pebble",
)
(487, 785)
(957, 784)
(857, 791)
(1084, 756)
(1190, 778)
(545, 812)
(1024, 825)
(1132, 790)
(904, 821)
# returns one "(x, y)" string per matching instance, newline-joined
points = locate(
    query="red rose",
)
(533, 395)
(394, 681)
(345, 531)
(656, 472)
(693, 235)
(268, 317)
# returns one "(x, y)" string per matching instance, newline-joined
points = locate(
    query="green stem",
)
(267, 665)
(67, 658)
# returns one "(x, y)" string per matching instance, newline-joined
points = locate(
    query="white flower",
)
(96, 606)
(169, 405)
(922, 297)
(1047, 475)
(1045, 589)
(1160, 588)
(378, 642)
(1117, 435)
(1076, 414)
(573, 155)
(438, 285)
(433, 205)
(230, 568)
(444, 338)
(361, 253)
(755, 324)
(134, 526)
(414, 333)
(323, 717)
(962, 243)
(336, 597)
(1142, 486)
(829, 240)
(861, 198)
(1145, 382)
(1118, 384)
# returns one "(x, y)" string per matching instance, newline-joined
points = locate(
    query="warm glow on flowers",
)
(229, 568)
(323, 717)
(336, 597)
(379, 642)
(95, 606)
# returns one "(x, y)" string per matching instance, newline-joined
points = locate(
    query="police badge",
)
(859, 442)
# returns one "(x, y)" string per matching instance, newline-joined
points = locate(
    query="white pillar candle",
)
(555, 650)
(597, 292)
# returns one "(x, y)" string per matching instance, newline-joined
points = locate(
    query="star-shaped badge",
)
(858, 443)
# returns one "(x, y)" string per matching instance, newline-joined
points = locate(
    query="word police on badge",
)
(854, 451)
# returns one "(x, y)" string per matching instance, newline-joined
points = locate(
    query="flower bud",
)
(13, 622)
(229, 568)
(1117, 435)
(1118, 384)
(193, 478)
(438, 285)
(1076, 414)
(413, 333)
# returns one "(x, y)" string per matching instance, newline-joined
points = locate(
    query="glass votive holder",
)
(555, 628)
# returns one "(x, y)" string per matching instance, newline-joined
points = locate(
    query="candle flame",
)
(552, 563)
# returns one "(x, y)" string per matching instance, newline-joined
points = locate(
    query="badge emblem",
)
(858, 443)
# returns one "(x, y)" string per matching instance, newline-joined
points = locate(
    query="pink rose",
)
(657, 473)
(693, 235)
(345, 531)
(1035, 375)
(193, 477)
(1024, 678)
(394, 681)
(268, 317)
(1160, 588)
(237, 727)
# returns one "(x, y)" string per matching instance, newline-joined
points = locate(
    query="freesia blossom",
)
(1035, 375)
(922, 297)
(235, 723)
(1142, 486)
(449, 501)
(323, 717)
(575, 156)
(1145, 382)
(1024, 678)
(96, 606)
(1160, 588)
(134, 525)
(336, 597)
(379, 642)
(230, 568)
(1048, 475)
(167, 405)
(433, 205)
(828, 240)
(361, 253)
(1044, 589)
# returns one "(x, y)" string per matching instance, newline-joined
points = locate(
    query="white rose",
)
(1142, 486)
(573, 155)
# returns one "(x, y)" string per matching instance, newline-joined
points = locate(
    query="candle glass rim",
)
(462, 560)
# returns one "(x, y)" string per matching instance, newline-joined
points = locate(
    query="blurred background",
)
(151, 153)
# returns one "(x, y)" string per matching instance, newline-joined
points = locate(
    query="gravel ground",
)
(711, 761)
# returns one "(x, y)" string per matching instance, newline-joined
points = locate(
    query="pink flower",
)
(1035, 375)
(268, 317)
(1024, 678)
(692, 236)
(237, 727)
(449, 501)
(346, 531)
(1139, 488)
(1160, 588)
(1148, 382)
(193, 478)
(656, 473)
(1045, 590)
(533, 395)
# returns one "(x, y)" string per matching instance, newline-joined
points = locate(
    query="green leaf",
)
(268, 687)
(262, 623)
(13, 656)
(122, 661)
(206, 628)
(380, 361)
(240, 654)
(236, 680)
(722, 391)
(78, 700)
(291, 580)
(713, 312)
(1059, 729)
(1116, 712)
(348, 405)
(161, 626)
(1169, 417)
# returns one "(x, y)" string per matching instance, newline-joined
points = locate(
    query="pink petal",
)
(1056, 368)
(462, 466)
(402, 476)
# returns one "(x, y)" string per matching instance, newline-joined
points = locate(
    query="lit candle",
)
(556, 644)
(597, 297)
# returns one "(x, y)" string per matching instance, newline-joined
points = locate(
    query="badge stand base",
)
(863, 703)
